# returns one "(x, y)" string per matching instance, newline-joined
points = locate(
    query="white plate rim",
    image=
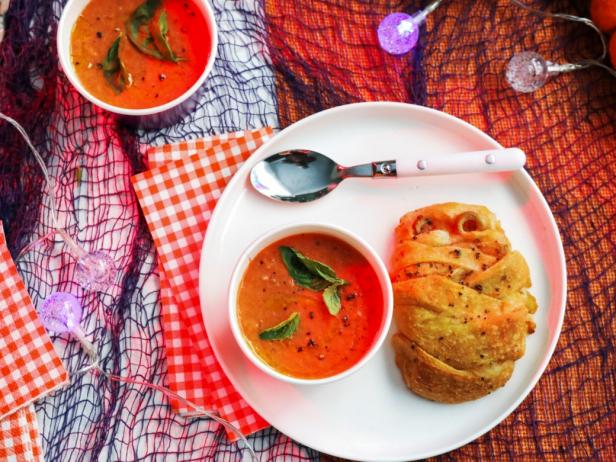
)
(226, 197)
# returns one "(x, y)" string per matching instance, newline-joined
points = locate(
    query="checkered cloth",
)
(19, 437)
(29, 365)
(178, 196)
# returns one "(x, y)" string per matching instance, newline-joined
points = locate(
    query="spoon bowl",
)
(296, 176)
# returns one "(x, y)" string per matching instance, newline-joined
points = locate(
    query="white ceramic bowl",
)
(288, 230)
(154, 117)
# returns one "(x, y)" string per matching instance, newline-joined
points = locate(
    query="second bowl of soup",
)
(137, 58)
(310, 303)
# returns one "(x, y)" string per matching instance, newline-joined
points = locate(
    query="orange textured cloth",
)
(325, 53)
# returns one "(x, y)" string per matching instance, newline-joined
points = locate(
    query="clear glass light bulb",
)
(398, 33)
(527, 71)
(95, 271)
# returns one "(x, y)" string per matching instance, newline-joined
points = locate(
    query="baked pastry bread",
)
(461, 302)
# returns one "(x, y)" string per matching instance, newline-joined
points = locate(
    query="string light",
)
(528, 71)
(61, 312)
(95, 270)
(398, 33)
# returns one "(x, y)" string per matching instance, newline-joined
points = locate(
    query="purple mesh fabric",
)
(323, 53)
(92, 158)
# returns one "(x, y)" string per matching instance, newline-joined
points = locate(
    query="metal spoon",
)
(301, 175)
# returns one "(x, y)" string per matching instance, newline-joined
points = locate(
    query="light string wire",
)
(583, 63)
(75, 248)
(198, 410)
(78, 251)
(423, 14)
(86, 344)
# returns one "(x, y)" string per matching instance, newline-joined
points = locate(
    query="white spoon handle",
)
(492, 160)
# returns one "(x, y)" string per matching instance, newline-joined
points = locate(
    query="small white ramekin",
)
(288, 230)
(154, 117)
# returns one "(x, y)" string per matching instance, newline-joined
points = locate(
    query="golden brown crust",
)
(457, 324)
(461, 302)
(435, 380)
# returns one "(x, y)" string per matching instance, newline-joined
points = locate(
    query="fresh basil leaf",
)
(282, 331)
(318, 268)
(300, 273)
(331, 297)
(310, 270)
(314, 275)
(150, 34)
(159, 30)
(113, 68)
(138, 31)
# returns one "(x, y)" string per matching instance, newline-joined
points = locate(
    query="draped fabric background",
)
(278, 62)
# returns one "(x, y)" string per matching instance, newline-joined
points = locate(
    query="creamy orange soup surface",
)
(323, 344)
(151, 81)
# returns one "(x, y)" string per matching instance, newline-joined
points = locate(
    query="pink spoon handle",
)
(492, 160)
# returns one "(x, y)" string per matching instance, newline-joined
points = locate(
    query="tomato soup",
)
(323, 344)
(146, 80)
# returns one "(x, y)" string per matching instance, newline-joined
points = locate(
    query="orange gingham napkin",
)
(19, 437)
(177, 196)
(29, 365)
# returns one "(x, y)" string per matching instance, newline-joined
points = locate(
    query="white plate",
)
(371, 415)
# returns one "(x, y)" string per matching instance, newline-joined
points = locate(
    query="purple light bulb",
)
(398, 33)
(61, 312)
(95, 271)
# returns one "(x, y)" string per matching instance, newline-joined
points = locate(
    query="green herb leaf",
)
(138, 31)
(159, 30)
(308, 272)
(282, 331)
(113, 68)
(318, 268)
(331, 297)
(150, 33)
(314, 275)
(301, 274)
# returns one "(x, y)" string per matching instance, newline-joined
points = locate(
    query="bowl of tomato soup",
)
(145, 60)
(310, 303)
